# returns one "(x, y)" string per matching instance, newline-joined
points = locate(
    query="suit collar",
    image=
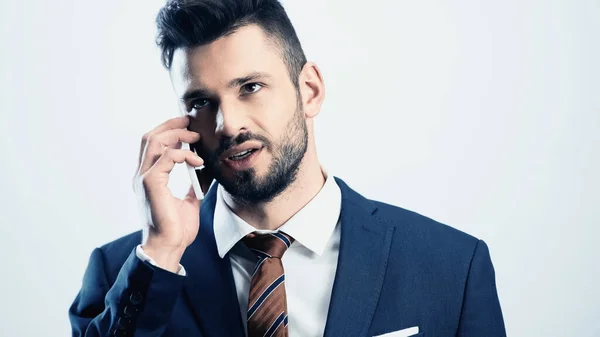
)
(364, 250)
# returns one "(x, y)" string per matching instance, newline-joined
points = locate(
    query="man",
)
(279, 247)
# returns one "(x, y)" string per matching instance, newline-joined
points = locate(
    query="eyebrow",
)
(236, 82)
(195, 93)
(255, 76)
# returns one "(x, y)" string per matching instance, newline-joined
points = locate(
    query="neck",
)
(272, 215)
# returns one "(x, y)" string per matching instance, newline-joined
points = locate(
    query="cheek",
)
(205, 128)
(274, 115)
(196, 125)
(204, 124)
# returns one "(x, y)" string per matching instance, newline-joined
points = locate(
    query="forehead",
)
(245, 51)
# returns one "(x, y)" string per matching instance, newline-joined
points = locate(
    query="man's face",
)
(239, 95)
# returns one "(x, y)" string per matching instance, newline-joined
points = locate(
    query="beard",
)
(246, 187)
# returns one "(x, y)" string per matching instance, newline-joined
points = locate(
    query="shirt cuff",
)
(144, 257)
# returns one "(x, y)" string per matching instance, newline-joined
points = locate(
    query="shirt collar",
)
(311, 227)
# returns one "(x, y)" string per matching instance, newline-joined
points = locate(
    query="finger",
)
(168, 139)
(173, 123)
(156, 179)
(164, 165)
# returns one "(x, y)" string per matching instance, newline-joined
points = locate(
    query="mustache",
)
(226, 143)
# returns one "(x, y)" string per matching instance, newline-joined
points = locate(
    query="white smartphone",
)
(193, 176)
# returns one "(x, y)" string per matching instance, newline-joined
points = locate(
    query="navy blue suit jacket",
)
(396, 269)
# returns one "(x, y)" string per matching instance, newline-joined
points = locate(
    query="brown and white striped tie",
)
(267, 305)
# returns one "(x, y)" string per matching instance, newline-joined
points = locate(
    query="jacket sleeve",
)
(139, 302)
(481, 313)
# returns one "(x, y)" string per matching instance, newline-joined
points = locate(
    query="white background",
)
(483, 115)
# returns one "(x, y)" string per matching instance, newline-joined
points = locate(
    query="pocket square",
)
(402, 333)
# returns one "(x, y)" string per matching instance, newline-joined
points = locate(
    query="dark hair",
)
(192, 23)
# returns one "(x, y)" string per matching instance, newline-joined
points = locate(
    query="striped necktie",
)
(267, 307)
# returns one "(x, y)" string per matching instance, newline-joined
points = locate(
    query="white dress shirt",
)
(309, 264)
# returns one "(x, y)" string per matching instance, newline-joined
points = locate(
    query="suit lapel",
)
(209, 284)
(364, 250)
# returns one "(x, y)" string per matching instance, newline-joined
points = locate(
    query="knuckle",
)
(150, 139)
(146, 179)
(146, 184)
(175, 154)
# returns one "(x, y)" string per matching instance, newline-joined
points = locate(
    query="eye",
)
(199, 104)
(251, 88)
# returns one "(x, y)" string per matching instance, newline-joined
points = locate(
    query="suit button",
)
(122, 333)
(130, 311)
(123, 323)
(135, 298)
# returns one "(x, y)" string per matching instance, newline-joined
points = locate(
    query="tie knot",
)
(269, 245)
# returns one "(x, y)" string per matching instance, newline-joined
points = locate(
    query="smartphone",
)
(193, 174)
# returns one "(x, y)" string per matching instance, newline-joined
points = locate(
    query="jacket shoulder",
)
(116, 252)
(413, 229)
(425, 229)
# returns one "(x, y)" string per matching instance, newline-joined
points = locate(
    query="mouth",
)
(242, 155)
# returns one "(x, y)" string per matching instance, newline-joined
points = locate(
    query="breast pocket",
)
(410, 332)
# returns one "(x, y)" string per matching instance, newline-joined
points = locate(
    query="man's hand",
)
(172, 223)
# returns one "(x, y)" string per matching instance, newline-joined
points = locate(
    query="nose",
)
(230, 121)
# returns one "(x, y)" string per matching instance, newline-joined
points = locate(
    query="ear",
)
(312, 89)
